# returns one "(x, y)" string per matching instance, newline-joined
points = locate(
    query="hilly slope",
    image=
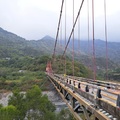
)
(100, 49)
(12, 45)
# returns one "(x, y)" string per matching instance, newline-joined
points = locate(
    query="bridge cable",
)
(79, 34)
(88, 27)
(94, 60)
(65, 38)
(106, 40)
(89, 48)
(61, 63)
(61, 35)
(79, 52)
(73, 43)
(73, 27)
(58, 29)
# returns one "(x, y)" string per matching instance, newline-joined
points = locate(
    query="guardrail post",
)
(108, 86)
(74, 83)
(99, 93)
(69, 81)
(79, 85)
(97, 101)
(118, 101)
(86, 88)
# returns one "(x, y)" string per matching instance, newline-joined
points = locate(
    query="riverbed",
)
(53, 96)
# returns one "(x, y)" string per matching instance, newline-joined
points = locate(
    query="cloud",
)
(33, 19)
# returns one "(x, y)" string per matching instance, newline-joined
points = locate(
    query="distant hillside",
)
(12, 45)
(100, 49)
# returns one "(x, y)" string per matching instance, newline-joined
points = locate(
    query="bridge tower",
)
(49, 67)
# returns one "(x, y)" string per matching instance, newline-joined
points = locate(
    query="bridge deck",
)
(103, 108)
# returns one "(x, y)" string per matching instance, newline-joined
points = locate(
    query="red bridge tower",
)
(48, 67)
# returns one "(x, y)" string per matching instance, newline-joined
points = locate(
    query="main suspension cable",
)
(73, 28)
(58, 29)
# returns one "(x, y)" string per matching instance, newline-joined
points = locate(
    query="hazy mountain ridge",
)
(13, 45)
(100, 49)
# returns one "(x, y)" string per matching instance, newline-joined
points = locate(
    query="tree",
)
(41, 106)
(32, 105)
(18, 100)
(8, 113)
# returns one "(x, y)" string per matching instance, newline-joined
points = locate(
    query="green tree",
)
(8, 113)
(18, 100)
(33, 105)
(41, 106)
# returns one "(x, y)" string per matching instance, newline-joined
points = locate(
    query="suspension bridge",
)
(91, 98)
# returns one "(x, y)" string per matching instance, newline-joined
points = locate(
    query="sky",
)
(34, 19)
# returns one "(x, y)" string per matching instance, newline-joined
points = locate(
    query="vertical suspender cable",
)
(94, 60)
(73, 42)
(106, 40)
(61, 35)
(88, 26)
(79, 34)
(61, 63)
(61, 45)
(65, 36)
(79, 37)
(89, 49)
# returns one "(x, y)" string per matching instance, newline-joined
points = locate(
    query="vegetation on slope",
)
(79, 69)
(23, 72)
(18, 49)
(31, 105)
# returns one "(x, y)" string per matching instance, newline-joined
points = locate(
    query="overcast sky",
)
(33, 19)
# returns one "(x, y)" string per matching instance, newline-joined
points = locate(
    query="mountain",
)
(47, 37)
(12, 45)
(100, 49)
